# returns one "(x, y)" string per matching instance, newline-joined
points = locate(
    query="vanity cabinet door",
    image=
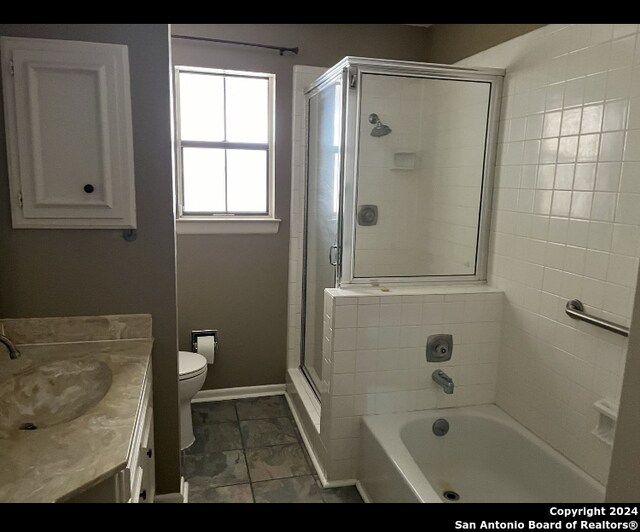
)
(69, 135)
(146, 463)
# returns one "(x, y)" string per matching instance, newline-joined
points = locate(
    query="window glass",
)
(247, 110)
(201, 107)
(246, 176)
(225, 137)
(204, 180)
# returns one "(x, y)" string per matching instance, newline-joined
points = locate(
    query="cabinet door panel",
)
(69, 134)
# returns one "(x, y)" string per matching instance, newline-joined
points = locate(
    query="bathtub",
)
(486, 456)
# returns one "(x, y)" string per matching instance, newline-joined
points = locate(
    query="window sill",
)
(227, 226)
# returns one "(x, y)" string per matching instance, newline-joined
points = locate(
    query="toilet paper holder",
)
(203, 332)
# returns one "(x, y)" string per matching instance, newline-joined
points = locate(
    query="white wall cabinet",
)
(69, 138)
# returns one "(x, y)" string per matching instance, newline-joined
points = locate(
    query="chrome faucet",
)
(13, 352)
(443, 380)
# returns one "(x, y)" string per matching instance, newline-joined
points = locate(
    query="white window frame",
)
(226, 222)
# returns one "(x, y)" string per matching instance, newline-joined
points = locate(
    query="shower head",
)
(380, 130)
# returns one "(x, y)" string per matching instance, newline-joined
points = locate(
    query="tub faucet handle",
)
(439, 347)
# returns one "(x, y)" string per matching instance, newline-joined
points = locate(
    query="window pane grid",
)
(243, 166)
(251, 190)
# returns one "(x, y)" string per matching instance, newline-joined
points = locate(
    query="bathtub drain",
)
(451, 496)
(27, 426)
(440, 427)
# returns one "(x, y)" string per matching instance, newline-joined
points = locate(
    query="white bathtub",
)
(486, 456)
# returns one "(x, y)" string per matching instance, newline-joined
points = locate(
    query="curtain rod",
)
(281, 49)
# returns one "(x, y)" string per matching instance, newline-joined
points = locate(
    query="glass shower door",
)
(321, 220)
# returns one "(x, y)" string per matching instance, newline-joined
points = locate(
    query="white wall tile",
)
(368, 315)
(567, 224)
(390, 314)
(341, 427)
(346, 316)
(391, 372)
(367, 338)
(343, 384)
(344, 361)
(389, 337)
(341, 406)
(344, 339)
(366, 360)
(591, 242)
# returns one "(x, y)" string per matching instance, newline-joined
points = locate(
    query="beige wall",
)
(238, 283)
(448, 43)
(89, 272)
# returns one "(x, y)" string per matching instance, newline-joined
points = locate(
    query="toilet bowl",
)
(193, 371)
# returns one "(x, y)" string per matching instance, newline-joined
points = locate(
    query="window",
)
(224, 132)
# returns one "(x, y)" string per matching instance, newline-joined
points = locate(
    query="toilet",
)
(193, 371)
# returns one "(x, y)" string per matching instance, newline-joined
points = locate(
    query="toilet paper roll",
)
(206, 347)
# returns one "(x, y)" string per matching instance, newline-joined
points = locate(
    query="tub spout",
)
(443, 380)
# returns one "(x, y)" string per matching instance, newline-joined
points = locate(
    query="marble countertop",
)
(54, 463)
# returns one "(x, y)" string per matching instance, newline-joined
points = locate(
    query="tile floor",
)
(250, 450)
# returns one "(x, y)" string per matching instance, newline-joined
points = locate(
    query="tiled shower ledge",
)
(411, 290)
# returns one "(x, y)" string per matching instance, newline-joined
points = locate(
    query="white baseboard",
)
(224, 394)
(362, 492)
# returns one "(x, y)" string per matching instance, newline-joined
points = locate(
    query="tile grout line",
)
(244, 452)
(236, 422)
(244, 449)
(297, 442)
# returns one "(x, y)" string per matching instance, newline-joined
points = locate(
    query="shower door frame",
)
(357, 67)
(313, 90)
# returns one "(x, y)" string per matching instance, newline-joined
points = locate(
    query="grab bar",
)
(575, 309)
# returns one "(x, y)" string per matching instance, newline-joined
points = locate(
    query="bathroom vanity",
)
(135, 482)
(76, 410)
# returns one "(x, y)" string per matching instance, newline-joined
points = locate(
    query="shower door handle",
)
(333, 255)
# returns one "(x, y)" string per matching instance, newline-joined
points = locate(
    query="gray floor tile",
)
(295, 489)
(346, 494)
(281, 470)
(219, 469)
(278, 461)
(215, 437)
(262, 407)
(201, 491)
(213, 412)
(265, 432)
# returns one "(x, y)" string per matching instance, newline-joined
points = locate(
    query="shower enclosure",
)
(398, 181)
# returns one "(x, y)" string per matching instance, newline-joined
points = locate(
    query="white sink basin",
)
(53, 393)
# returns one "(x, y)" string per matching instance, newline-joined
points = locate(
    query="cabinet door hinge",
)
(353, 77)
(20, 202)
(12, 68)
